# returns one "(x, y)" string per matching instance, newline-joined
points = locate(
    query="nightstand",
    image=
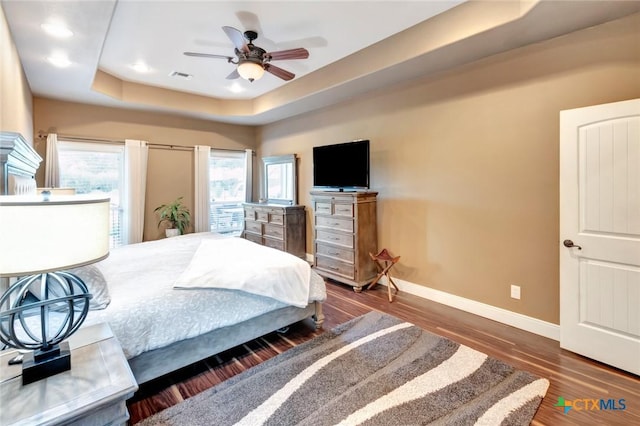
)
(93, 392)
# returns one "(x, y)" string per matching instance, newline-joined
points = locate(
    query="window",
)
(93, 168)
(227, 177)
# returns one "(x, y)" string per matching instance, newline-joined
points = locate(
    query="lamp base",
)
(39, 365)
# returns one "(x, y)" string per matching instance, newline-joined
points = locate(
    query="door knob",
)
(569, 244)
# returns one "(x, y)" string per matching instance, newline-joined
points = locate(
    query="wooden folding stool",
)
(384, 263)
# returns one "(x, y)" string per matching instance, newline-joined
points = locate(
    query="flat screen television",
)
(341, 166)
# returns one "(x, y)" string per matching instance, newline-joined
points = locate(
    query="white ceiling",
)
(110, 36)
(159, 32)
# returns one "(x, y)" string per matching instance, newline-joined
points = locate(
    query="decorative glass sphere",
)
(40, 311)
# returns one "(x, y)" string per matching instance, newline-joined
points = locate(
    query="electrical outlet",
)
(515, 292)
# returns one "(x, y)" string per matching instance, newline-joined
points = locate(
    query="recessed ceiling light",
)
(140, 67)
(59, 61)
(56, 30)
(236, 88)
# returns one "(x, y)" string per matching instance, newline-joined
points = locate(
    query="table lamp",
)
(39, 240)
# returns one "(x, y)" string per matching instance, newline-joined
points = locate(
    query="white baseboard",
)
(514, 319)
(504, 316)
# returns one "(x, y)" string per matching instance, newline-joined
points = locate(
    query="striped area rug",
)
(373, 370)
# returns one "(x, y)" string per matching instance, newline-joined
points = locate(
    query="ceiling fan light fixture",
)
(250, 70)
(252, 61)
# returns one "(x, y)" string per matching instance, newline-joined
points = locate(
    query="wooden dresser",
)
(276, 226)
(344, 232)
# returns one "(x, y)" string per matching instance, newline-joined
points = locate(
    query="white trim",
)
(514, 319)
(504, 316)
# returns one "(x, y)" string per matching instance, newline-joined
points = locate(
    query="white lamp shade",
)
(250, 70)
(43, 236)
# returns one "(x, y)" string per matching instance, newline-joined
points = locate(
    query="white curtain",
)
(201, 155)
(249, 177)
(51, 165)
(135, 183)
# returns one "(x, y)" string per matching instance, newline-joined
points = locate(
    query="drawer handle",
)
(333, 253)
(334, 268)
(335, 224)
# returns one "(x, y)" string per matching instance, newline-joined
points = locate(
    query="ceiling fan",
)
(252, 60)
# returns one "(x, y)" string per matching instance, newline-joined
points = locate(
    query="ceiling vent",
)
(180, 75)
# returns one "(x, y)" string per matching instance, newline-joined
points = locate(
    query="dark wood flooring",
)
(572, 377)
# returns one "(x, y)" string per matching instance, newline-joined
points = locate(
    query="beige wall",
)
(15, 93)
(466, 163)
(169, 172)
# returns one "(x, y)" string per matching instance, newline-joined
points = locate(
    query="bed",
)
(162, 328)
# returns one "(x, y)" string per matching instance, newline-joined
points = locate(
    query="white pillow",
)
(93, 279)
(96, 284)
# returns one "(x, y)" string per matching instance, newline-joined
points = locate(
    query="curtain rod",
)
(43, 135)
(169, 147)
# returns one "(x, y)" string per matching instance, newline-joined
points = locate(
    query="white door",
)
(600, 233)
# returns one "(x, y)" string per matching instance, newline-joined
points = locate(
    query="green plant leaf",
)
(175, 213)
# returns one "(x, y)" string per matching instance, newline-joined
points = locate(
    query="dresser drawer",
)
(274, 231)
(335, 266)
(253, 227)
(262, 216)
(253, 237)
(276, 218)
(323, 208)
(340, 209)
(334, 223)
(276, 244)
(345, 240)
(345, 255)
(249, 213)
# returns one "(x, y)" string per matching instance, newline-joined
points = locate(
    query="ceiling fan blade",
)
(299, 53)
(237, 38)
(234, 74)
(279, 72)
(208, 55)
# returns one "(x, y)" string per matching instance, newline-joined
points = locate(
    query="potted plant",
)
(176, 215)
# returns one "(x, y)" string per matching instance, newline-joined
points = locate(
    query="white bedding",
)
(239, 264)
(146, 312)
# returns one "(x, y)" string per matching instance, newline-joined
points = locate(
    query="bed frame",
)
(153, 364)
